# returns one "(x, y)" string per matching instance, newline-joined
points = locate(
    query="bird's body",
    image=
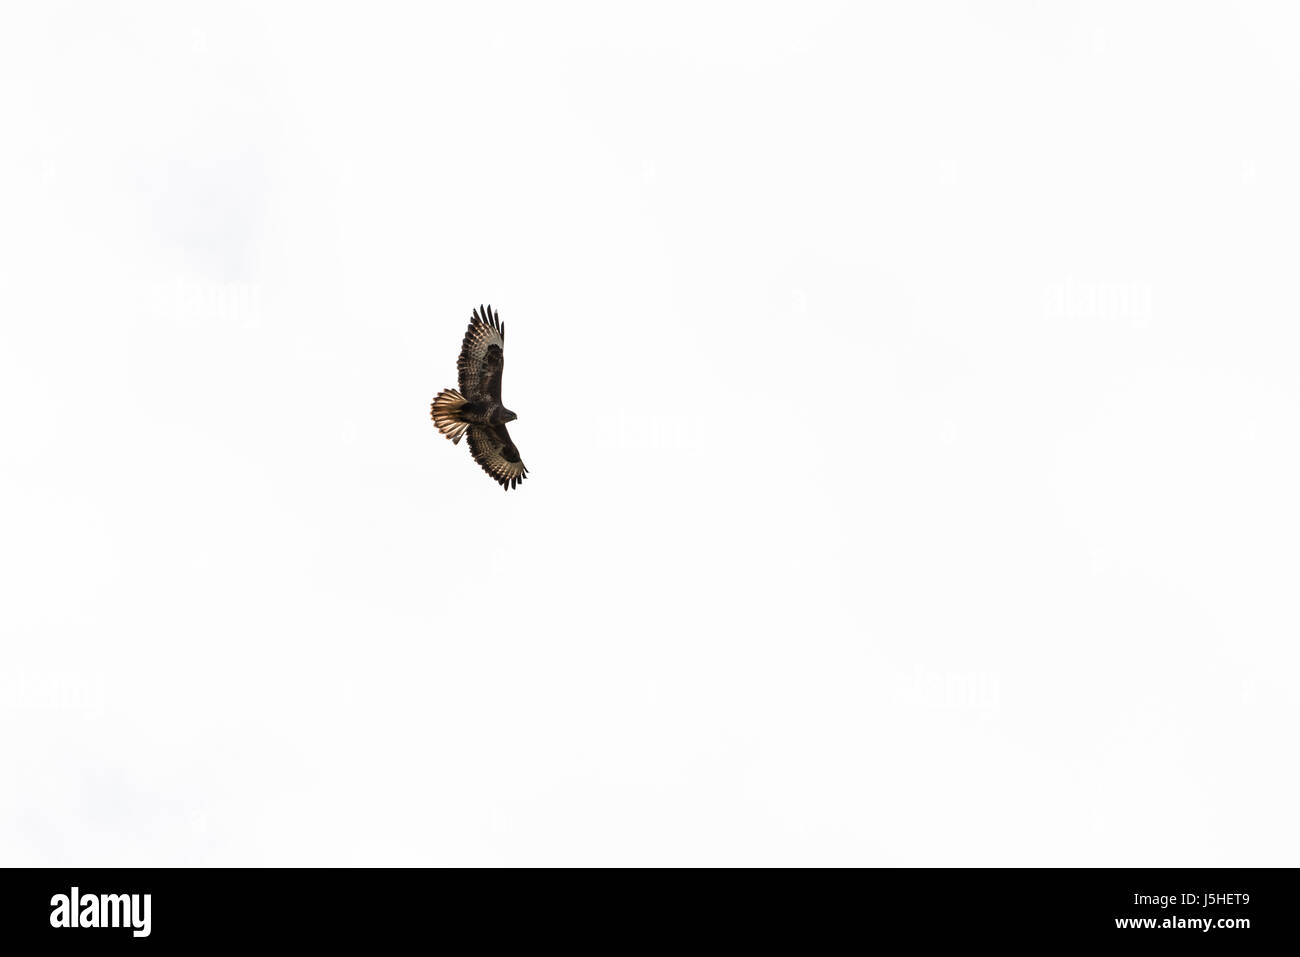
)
(476, 410)
(485, 413)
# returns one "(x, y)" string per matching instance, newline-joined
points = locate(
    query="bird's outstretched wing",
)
(482, 357)
(491, 447)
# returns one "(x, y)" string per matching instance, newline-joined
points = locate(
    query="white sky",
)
(909, 398)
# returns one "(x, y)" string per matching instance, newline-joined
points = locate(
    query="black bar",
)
(374, 908)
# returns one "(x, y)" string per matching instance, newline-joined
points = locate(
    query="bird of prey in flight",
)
(476, 408)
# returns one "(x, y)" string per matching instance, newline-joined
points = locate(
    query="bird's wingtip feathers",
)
(488, 317)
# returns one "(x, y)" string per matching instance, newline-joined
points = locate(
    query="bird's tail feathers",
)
(446, 414)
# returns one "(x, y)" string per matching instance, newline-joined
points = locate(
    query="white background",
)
(909, 397)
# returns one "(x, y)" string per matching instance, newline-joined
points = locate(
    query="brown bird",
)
(476, 409)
